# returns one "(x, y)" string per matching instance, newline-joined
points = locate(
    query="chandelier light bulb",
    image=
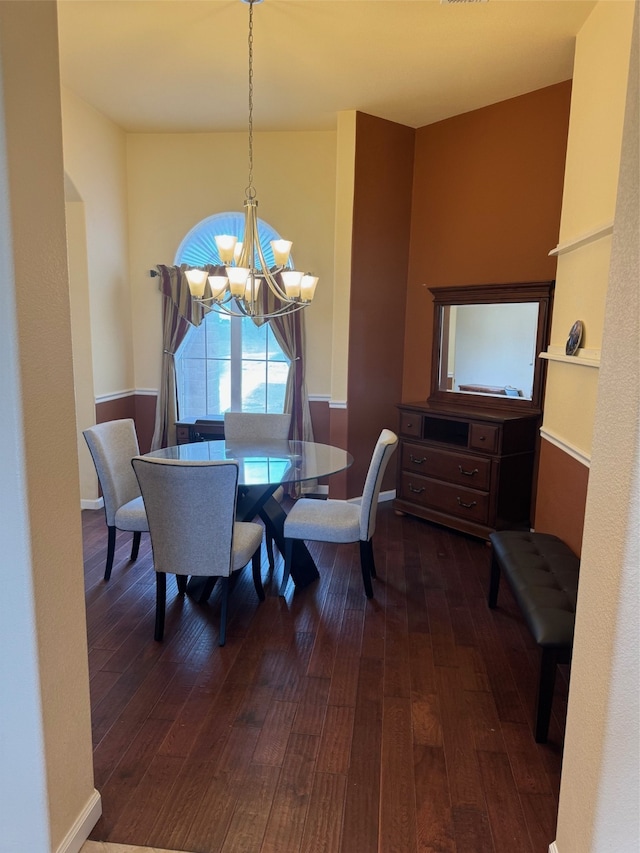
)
(226, 245)
(197, 280)
(291, 280)
(218, 284)
(237, 280)
(281, 252)
(308, 287)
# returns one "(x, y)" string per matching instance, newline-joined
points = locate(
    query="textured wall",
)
(600, 788)
(46, 773)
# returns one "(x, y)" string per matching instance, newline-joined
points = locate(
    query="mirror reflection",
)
(489, 349)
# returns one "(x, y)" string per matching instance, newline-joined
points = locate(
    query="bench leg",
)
(494, 582)
(546, 684)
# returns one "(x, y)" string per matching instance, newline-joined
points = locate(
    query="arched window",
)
(228, 363)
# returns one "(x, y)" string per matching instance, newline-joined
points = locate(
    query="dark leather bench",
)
(543, 574)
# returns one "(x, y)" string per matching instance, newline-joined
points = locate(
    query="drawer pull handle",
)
(417, 461)
(467, 506)
(416, 491)
(467, 473)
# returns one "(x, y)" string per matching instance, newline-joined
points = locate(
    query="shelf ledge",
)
(582, 240)
(583, 358)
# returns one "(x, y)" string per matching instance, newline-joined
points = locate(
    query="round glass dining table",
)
(266, 463)
(262, 467)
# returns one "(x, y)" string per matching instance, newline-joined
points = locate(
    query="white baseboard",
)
(98, 503)
(553, 848)
(83, 825)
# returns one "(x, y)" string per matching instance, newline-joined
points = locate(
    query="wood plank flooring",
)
(328, 723)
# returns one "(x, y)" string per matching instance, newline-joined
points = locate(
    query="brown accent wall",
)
(487, 199)
(339, 437)
(140, 407)
(562, 495)
(379, 264)
(320, 420)
(328, 429)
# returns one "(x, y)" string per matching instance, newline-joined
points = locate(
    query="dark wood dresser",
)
(470, 469)
(189, 430)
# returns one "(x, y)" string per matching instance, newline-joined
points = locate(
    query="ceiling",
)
(182, 65)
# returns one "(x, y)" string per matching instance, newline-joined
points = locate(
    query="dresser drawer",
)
(411, 424)
(445, 497)
(471, 471)
(484, 437)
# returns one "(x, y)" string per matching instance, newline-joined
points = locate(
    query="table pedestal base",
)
(253, 501)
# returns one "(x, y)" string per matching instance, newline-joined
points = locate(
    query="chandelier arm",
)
(221, 308)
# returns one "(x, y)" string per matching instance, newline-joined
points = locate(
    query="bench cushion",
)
(543, 574)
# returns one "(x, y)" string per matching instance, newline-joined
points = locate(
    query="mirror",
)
(487, 341)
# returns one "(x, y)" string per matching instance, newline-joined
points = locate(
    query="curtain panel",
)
(178, 312)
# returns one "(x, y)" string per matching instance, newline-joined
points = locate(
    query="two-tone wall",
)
(479, 194)
(582, 279)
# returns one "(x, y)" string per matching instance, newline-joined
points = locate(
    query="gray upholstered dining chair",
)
(259, 426)
(342, 521)
(191, 508)
(113, 445)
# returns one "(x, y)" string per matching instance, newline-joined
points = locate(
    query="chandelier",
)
(235, 288)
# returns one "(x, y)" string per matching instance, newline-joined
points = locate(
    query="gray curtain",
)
(178, 312)
(289, 331)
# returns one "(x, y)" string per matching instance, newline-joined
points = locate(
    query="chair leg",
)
(269, 542)
(288, 555)
(161, 601)
(367, 565)
(181, 580)
(135, 545)
(111, 550)
(222, 638)
(546, 683)
(206, 590)
(256, 568)
(494, 582)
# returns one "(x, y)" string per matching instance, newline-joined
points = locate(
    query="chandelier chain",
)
(250, 191)
(238, 292)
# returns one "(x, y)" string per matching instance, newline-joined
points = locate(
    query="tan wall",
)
(591, 182)
(81, 336)
(95, 161)
(95, 168)
(486, 208)
(176, 180)
(46, 774)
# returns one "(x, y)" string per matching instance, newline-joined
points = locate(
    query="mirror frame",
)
(483, 294)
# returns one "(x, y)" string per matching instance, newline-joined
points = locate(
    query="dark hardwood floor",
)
(327, 722)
